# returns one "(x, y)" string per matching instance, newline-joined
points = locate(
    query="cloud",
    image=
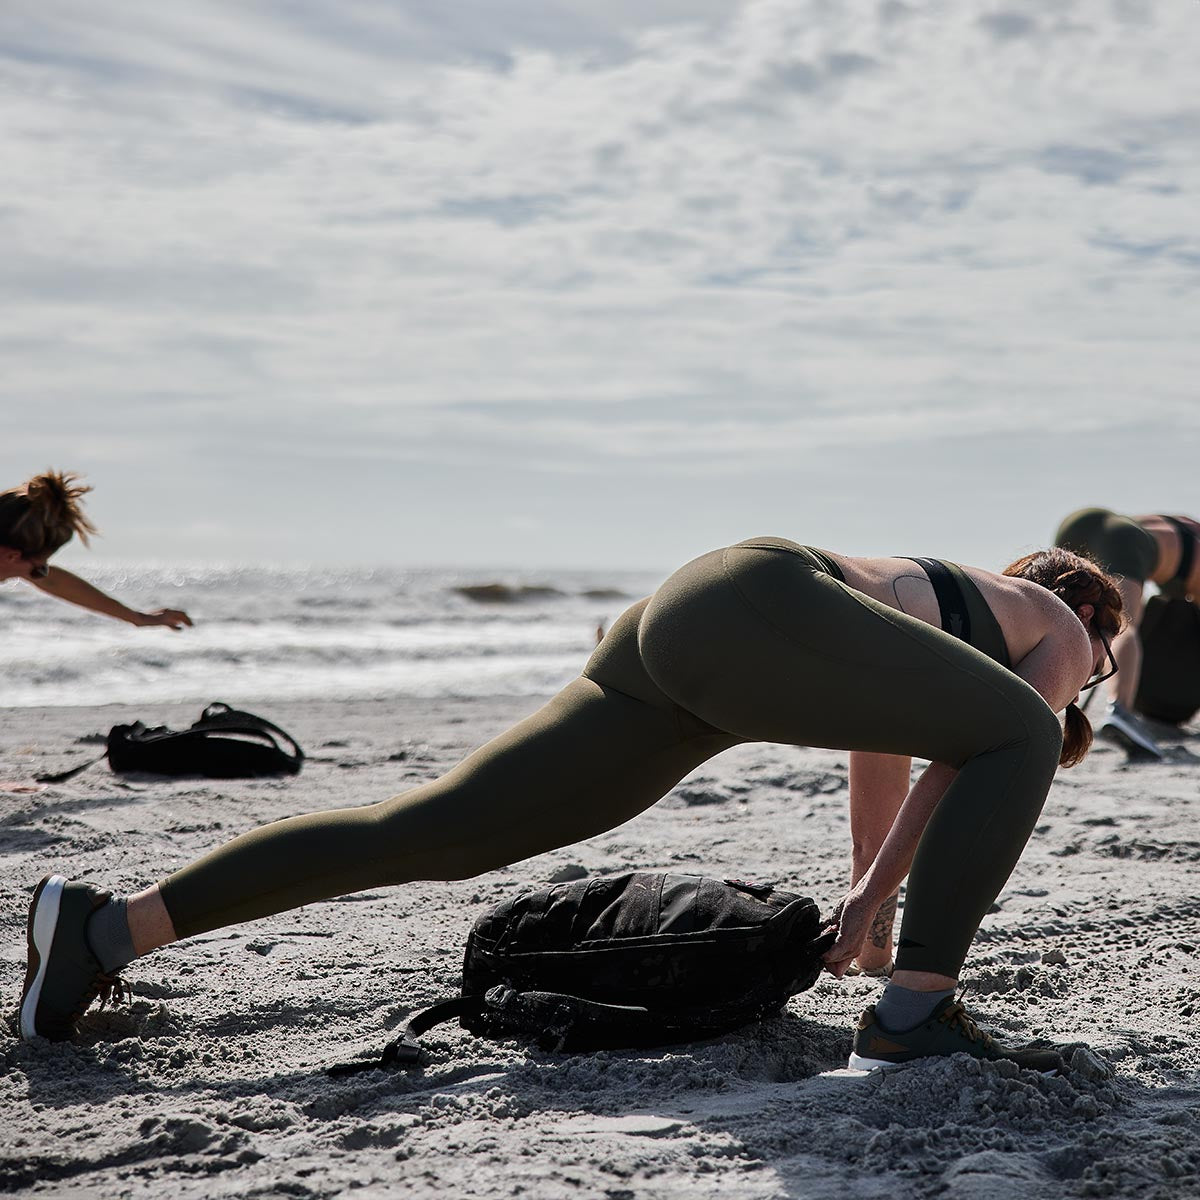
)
(708, 236)
(1006, 26)
(1090, 164)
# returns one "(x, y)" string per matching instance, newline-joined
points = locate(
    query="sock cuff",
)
(107, 933)
(901, 1009)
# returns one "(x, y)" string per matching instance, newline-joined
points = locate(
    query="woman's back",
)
(1029, 616)
(1166, 537)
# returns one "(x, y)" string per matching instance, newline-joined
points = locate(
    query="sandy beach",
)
(211, 1082)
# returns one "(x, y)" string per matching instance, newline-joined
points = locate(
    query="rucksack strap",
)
(545, 1017)
(63, 776)
(405, 1050)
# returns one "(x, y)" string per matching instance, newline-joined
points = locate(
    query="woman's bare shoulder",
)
(1013, 590)
(1047, 642)
(1030, 615)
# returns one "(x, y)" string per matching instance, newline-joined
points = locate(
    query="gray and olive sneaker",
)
(63, 976)
(949, 1030)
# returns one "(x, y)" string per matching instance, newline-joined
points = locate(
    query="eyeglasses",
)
(1112, 664)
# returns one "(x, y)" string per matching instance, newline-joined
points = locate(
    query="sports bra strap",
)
(1187, 550)
(956, 620)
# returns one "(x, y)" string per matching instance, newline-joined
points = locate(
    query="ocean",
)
(287, 632)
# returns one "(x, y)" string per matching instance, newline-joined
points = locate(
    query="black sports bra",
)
(966, 615)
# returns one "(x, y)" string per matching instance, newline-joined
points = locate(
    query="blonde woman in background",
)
(40, 517)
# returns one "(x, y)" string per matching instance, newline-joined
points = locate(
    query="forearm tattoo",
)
(885, 917)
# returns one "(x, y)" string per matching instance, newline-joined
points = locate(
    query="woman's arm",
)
(889, 867)
(878, 786)
(1127, 645)
(1059, 665)
(66, 586)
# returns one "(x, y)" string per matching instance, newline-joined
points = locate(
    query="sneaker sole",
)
(43, 922)
(859, 1063)
(1129, 740)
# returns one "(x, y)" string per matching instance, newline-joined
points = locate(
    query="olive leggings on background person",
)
(756, 642)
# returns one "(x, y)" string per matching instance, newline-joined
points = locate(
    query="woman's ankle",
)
(150, 925)
(923, 981)
(874, 958)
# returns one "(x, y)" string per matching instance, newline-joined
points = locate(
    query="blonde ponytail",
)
(44, 513)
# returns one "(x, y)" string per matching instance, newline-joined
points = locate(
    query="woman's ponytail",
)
(1077, 737)
(44, 513)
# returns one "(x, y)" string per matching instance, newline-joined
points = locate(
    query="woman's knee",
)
(1023, 729)
(1036, 732)
(1047, 736)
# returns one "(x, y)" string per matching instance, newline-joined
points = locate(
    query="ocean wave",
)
(299, 632)
(504, 593)
(138, 683)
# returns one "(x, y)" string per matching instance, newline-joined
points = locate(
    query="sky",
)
(552, 283)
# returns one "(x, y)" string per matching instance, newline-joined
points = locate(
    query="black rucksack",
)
(225, 743)
(630, 960)
(1169, 685)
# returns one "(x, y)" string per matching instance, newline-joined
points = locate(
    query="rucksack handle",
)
(220, 715)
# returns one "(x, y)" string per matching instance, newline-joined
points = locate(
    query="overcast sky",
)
(552, 282)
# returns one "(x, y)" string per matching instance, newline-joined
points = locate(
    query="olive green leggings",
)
(756, 642)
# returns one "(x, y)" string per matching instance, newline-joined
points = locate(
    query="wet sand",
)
(211, 1082)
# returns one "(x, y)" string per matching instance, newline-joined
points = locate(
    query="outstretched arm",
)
(889, 867)
(66, 586)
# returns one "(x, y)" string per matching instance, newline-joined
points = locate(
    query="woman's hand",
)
(852, 919)
(174, 617)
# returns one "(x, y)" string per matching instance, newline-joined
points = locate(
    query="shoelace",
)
(113, 988)
(956, 1015)
(108, 988)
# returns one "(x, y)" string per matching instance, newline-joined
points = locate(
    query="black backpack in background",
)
(225, 743)
(1169, 685)
(631, 960)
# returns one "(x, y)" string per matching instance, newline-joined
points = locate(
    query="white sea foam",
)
(291, 632)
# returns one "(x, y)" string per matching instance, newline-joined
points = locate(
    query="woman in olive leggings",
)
(1157, 549)
(762, 641)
